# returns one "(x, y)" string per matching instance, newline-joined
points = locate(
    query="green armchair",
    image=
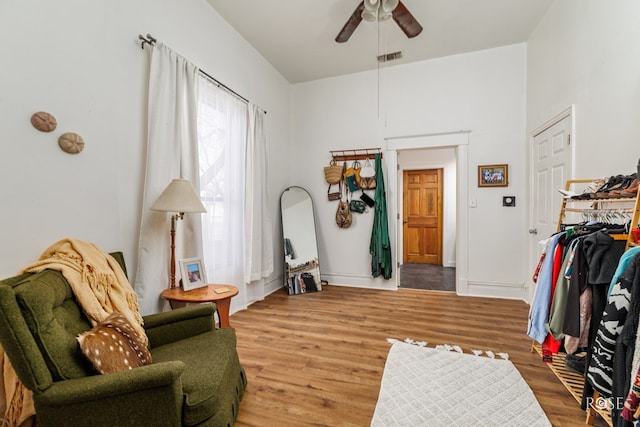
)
(195, 379)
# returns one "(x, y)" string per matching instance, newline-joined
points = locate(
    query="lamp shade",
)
(179, 196)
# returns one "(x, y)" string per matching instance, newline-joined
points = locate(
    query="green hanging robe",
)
(380, 246)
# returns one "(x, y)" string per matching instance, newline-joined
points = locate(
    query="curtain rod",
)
(150, 40)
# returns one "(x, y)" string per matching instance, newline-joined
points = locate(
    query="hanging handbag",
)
(367, 171)
(350, 177)
(368, 200)
(333, 172)
(357, 206)
(333, 196)
(367, 176)
(368, 183)
(357, 168)
(343, 214)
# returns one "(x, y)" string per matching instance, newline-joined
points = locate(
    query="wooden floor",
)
(317, 359)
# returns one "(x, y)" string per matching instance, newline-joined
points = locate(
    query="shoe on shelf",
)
(632, 190)
(613, 183)
(597, 183)
(588, 192)
(614, 187)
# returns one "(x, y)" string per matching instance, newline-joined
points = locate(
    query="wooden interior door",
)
(422, 212)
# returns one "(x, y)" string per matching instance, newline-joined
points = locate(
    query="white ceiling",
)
(297, 36)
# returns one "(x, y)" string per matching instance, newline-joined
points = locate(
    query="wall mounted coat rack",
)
(356, 154)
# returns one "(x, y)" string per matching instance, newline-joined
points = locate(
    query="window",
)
(222, 135)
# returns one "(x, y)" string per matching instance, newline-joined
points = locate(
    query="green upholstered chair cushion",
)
(55, 319)
(216, 360)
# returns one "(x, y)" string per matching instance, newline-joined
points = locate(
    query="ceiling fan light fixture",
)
(383, 16)
(372, 5)
(380, 10)
(389, 6)
(369, 15)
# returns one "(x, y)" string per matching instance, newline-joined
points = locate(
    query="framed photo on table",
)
(493, 176)
(193, 274)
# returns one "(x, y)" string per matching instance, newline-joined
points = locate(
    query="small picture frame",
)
(193, 275)
(493, 176)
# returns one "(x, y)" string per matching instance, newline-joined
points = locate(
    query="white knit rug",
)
(429, 387)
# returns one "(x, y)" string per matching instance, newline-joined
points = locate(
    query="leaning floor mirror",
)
(302, 270)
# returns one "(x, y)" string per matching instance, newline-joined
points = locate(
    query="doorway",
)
(400, 155)
(427, 193)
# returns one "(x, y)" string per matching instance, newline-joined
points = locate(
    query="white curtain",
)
(172, 152)
(222, 134)
(258, 225)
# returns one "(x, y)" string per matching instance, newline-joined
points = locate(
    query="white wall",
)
(80, 61)
(587, 53)
(483, 92)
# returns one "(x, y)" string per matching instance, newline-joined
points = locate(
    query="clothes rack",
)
(622, 209)
(628, 207)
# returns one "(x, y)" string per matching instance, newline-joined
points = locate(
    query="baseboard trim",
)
(496, 290)
(360, 281)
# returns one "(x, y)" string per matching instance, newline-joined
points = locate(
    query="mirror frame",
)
(311, 266)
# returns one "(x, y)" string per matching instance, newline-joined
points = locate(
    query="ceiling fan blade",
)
(405, 20)
(351, 24)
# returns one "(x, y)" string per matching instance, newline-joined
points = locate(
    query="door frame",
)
(459, 140)
(567, 112)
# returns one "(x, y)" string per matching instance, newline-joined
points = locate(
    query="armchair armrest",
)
(149, 395)
(170, 326)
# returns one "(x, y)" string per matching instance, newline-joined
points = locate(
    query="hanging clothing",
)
(625, 347)
(539, 312)
(288, 248)
(380, 246)
(600, 372)
(626, 379)
(573, 325)
(551, 345)
(622, 264)
(559, 303)
(602, 254)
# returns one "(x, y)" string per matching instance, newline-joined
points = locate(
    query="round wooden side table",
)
(220, 294)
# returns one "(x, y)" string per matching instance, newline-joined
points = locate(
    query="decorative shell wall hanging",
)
(43, 121)
(71, 143)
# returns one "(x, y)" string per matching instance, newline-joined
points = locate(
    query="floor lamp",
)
(179, 197)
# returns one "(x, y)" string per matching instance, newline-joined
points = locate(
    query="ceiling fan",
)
(380, 10)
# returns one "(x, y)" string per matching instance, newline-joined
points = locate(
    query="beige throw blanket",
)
(101, 288)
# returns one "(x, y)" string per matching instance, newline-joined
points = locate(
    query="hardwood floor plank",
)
(317, 359)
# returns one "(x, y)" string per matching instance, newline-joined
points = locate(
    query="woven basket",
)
(333, 173)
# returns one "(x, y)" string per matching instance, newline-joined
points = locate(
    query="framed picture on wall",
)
(193, 275)
(493, 176)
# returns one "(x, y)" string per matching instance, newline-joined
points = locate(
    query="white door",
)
(551, 154)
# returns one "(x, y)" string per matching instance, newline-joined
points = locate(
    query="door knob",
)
(533, 231)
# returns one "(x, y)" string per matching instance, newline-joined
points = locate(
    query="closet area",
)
(584, 315)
